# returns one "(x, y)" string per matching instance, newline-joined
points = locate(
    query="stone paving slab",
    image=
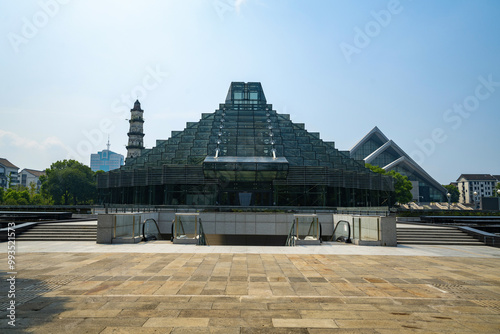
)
(117, 292)
(333, 248)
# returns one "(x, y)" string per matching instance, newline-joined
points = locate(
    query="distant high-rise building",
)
(105, 160)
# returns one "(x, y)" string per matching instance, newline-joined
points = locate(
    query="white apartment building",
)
(31, 176)
(474, 186)
(9, 176)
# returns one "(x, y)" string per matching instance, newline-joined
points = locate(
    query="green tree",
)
(16, 197)
(453, 191)
(32, 189)
(69, 182)
(402, 186)
(497, 188)
(20, 195)
(376, 169)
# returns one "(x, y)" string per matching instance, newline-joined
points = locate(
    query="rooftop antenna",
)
(108, 143)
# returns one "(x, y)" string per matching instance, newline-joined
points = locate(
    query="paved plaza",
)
(157, 287)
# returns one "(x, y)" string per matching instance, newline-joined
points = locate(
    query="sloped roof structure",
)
(7, 163)
(34, 172)
(479, 177)
(376, 149)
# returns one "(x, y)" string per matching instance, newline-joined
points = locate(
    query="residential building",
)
(9, 176)
(31, 176)
(474, 186)
(378, 150)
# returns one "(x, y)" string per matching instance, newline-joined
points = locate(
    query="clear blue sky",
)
(71, 70)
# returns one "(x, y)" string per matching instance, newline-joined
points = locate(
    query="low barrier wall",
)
(121, 227)
(365, 230)
(246, 223)
(370, 230)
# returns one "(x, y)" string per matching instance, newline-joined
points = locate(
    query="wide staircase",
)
(60, 232)
(434, 235)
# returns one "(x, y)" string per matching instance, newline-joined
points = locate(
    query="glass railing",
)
(185, 225)
(187, 228)
(305, 229)
(366, 228)
(126, 226)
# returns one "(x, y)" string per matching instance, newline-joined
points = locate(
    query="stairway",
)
(60, 232)
(433, 235)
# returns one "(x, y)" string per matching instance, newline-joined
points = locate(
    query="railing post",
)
(379, 233)
(133, 227)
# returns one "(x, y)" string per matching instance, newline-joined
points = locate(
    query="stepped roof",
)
(245, 126)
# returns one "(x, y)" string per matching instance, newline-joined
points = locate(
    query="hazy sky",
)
(427, 73)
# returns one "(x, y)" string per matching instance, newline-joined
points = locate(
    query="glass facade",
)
(105, 160)
(377, 150)
(370, 146)
(246, 154)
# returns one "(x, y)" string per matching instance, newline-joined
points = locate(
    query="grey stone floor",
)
(157, 287)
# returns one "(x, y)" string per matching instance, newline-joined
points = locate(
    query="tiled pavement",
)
(122, 292)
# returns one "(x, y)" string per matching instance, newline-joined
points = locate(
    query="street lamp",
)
(498, 192)
(474, 199)
(449, 198)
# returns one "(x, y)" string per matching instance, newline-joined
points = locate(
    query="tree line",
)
(66, 182)
(70, 182)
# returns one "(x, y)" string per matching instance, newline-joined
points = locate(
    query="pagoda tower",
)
(136, 132)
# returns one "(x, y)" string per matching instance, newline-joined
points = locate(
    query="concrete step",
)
(437, 231)
(64, 229)
(59, 232)
(66, 234)
(440, 242)
(438, 234)
(435, 236)
(430, 234)
(49, 238)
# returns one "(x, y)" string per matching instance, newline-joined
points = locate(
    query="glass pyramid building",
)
(245, 154)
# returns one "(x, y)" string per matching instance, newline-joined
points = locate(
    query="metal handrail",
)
(290, 240)
(202, 239)
(348, 239)
(159, 237)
